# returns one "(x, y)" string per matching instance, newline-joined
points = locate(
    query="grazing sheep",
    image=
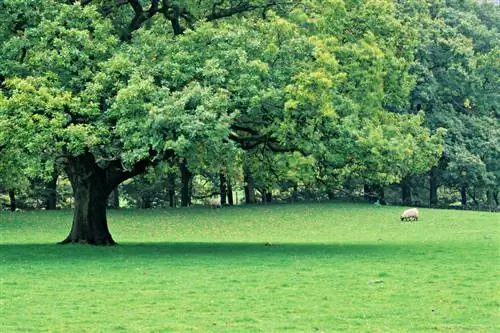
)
(410, 215)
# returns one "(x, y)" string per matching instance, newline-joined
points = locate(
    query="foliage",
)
(288, 81)
(457, 85)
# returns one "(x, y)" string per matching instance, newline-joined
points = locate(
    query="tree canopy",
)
(457, 74)
(108, 89)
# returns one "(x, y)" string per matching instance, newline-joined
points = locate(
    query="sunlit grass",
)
(283, 268)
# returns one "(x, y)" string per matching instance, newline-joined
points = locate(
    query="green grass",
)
(329, 268)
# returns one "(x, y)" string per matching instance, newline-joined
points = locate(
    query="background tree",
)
(457, 81)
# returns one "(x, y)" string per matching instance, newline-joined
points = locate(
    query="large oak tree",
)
(111, 88)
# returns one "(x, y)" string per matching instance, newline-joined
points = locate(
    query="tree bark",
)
(12, 198)
(223, 188)
(463, 196)
(267, 197)
(369, 193)
(249, 186)
(230, 200)
(51, 188)
(329, 193)
(381, 195)
(489, 199)
(406, 192)
(114, 199)
(91, 192)
(91, 188)
(186, 177)
(146, 200)
(171, 190)
(433, 187)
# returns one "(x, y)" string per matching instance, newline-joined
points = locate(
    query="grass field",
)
(279, 268)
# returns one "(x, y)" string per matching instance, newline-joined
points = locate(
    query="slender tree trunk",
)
(433, 187)
(186, 177)
(88, 181)
(249, 186)
(489, 199)
(190, 190)
(473, 196)
(171, 189)
(12, 198)
(369, 193)
(295, 193)
(223, 188)
(51, 188)
(406, 192)
(230, 200)
(381, 195)
(267, 197)
(114, 199)
(146, 200)
(329, 193)
(463, 196)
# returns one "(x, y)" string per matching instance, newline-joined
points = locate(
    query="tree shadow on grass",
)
(215, 250)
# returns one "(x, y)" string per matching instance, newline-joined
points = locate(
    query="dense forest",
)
(171, 103)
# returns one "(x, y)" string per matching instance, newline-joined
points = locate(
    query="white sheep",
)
(410, 215)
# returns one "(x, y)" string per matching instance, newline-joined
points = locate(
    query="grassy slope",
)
(330, 268)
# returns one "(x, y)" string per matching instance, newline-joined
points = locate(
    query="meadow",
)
(322, 267)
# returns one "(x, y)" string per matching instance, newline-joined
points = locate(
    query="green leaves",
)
(457, 86)
(321, 79)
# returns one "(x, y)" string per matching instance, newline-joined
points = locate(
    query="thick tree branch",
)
(137, 7)
(116, 172)
(174, 13)
(248, 142)
(140, 15)
(242, 128)
(218, 13)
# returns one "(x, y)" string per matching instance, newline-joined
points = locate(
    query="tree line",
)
(289, 99)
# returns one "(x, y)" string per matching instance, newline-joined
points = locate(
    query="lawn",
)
(324, 267)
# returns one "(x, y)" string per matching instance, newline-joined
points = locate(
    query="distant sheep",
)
(410, 215)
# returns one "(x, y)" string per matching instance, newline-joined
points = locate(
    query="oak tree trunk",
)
(92, 185)
(90, 192)
(114, 199)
